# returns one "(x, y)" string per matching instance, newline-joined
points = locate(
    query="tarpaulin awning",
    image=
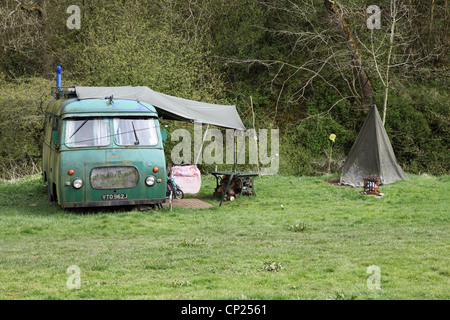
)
(170, 107)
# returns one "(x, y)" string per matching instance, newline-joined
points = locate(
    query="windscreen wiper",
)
(135, 134)
(78, 129)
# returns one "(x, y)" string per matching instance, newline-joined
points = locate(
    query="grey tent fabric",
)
(371, 154)
(170, 107)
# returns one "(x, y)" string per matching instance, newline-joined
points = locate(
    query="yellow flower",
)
(332, 137)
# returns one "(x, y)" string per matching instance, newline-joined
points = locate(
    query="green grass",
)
(247, 249)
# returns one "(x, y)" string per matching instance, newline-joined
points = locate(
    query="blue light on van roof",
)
(58, 76)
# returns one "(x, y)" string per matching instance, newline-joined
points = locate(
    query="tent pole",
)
(226, 189)
(255, 137)
(234, 153)
(233, 172)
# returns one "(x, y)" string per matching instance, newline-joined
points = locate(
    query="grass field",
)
(318, 247)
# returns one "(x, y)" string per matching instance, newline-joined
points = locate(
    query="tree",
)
(357, 65)
(19, 37)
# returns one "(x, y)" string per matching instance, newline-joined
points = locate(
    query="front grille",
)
(114, 177)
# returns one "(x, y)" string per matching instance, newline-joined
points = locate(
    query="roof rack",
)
(63, 92)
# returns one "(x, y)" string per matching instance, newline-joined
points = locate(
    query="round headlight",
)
(150, 180)
(77, 183)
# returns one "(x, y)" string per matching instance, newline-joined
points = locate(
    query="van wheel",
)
(55, 195)
(51, 196)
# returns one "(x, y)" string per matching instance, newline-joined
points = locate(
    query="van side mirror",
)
(164, 134)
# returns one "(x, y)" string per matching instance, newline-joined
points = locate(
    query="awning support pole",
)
(201, 146)
(235, 152)
(233, 172)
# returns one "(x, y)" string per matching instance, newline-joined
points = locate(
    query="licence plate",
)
(115, 196)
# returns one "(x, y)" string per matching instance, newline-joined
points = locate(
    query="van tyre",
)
(52, 196)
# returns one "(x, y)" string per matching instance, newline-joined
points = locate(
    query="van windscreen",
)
(88, 132)
(135, 131)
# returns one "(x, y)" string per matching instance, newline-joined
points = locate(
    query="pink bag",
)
(187, 177)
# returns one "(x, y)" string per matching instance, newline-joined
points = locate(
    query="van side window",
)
(56, 124)
(48, 128)
(55, 127)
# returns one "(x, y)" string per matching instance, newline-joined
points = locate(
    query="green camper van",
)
(102, 152)
(103, 146)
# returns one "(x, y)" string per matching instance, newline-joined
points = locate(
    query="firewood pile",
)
(234, 190)
(237, 186)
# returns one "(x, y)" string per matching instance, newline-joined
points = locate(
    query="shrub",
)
(22, 107)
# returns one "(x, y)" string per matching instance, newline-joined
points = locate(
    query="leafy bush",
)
(418, 122)
(22, 107)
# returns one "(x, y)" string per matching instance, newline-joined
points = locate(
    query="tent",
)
(371, 154)
(171, 108)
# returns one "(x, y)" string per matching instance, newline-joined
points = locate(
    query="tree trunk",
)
(358, 70)
(431, 24)
(391, 45)
(47, 58)
(446, 22)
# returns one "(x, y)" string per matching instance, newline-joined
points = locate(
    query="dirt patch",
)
(335, 181)
(190, 203)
